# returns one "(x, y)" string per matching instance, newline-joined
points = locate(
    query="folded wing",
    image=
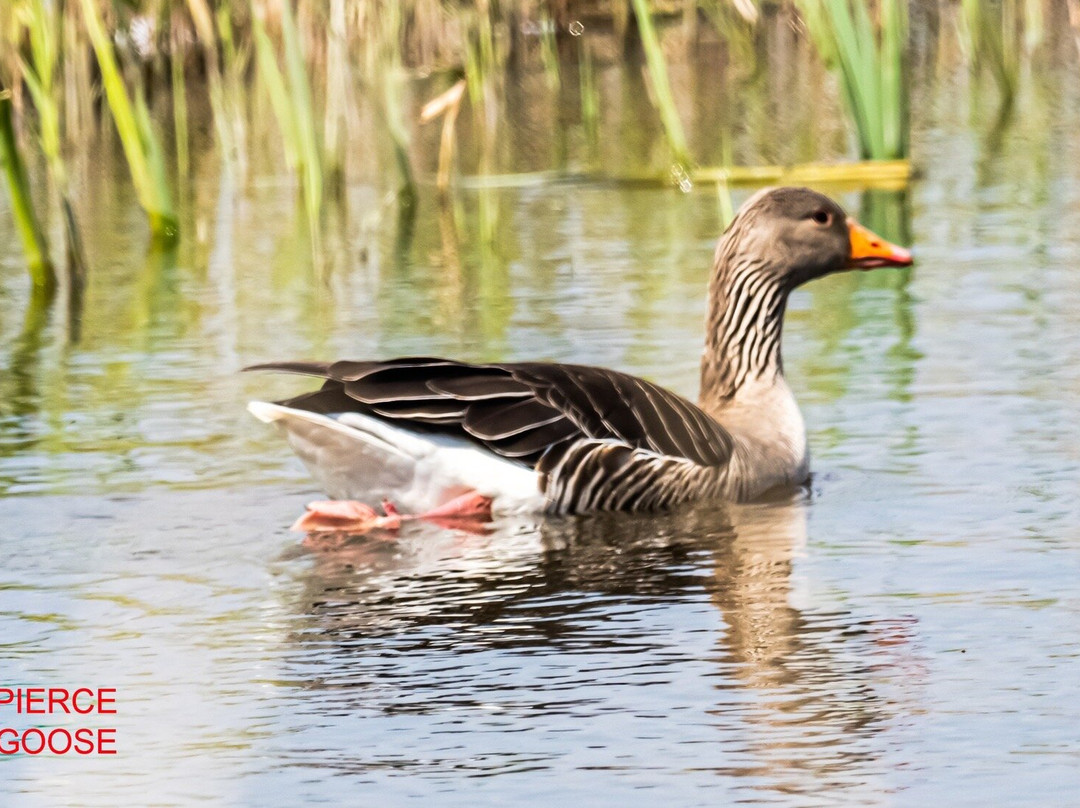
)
(539, 414)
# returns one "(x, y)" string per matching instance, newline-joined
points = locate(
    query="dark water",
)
(906, 633)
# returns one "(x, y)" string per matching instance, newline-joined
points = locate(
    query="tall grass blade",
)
(39, 74)
(35, 243)
(337, 74)
(590, 98)
(236, 57)
(163, 221)
(665, 100)
(274, 82)
(480, 76)
(725, 206)
(992, 42)
(304, 115)
(290, 96)
(549, 53)
(869, 59)
(136, 134)
(736, 22)
(178, 80)
(387, 69)
(227, 120)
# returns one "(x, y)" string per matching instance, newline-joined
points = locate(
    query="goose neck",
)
(747, 301)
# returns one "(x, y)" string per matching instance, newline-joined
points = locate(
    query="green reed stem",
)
(991, 41)
(590, 97)
(665, 100)
(39, 74)
(392, 70)
(869, 61)
(274, 82)
(214, 32)
(304, 113)
(137, 136)
(337, 77)
(35, 243)
(549, 53)
(290, 96)
(725, 206)
(180, 111)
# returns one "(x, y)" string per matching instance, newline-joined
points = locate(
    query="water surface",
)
(904, 633)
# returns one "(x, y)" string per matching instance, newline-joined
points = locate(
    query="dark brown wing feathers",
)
(496, 419)
(608, 404)
(519, 410)
(303, 368)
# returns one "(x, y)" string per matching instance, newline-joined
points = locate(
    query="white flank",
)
(355, 456)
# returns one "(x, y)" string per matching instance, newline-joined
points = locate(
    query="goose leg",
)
(466, 512)
(344, 516)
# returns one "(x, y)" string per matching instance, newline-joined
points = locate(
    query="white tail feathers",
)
(356, 456)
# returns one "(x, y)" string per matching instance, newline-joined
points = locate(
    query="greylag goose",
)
(535, 436)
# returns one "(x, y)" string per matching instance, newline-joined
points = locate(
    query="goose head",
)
(780, 238)
(796, 235)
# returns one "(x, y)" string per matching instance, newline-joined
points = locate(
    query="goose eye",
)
(822, 217)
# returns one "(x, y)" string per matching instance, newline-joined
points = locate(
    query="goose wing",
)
(532, 412)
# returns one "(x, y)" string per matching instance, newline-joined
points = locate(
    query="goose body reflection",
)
(581, 633)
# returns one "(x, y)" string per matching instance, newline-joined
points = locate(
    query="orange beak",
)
(869, 250)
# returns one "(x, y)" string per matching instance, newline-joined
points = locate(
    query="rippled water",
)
(905, 633)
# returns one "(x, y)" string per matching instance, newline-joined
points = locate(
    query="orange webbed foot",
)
(469, 512)
(344, 516)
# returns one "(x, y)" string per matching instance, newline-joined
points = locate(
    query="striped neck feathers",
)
(747, 299)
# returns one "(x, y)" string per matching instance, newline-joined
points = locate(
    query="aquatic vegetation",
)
(549, 54)
(39, 72)
(225, 67)
(303, 110)
(178, 86)
(482, 64)
(337, 82)
(34, 240)
(736, 22)
(446, 105)
(590, 97)
(384, 79)
(329, 69)
(661, 87)
(866, 174)
(869, 59)
(996, 35)
(290, 95)
(137, 136)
